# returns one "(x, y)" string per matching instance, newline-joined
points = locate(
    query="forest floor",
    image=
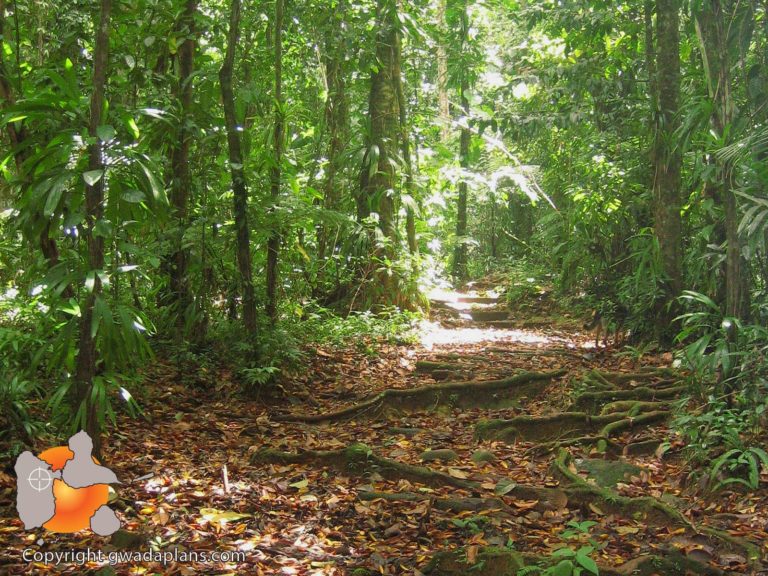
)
(494, 441)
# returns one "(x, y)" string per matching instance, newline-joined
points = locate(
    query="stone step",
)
(478, 299)
(489, 315)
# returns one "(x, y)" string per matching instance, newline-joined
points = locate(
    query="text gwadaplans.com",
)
(82, 557)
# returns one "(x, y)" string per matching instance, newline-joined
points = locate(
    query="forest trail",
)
(489, 444)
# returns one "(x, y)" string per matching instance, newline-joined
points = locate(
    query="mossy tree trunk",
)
(459, 270)
(87, 354)
(667, 158)
(239, 183)
(273, 244)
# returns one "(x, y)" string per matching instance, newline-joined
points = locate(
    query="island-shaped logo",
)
(65, 489)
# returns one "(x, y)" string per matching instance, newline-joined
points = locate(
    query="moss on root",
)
(492, 561)
(491, 393)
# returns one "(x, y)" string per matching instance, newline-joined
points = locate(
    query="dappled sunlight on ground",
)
(433, 334)
(452, 297)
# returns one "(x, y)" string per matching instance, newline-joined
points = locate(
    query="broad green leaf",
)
(106, 132)
(133, 127)
(58, 187)
(584, 560)
(504, 486)
(563, 568)
(103, 228)
(93, 176)
(133, 196)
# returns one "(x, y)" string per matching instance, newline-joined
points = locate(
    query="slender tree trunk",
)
(273, 244)
(239, 183)
(336, 118)
(443, 103)
(667, 158)
(181, 180)
(405, 150)
(459, 271)
(87, 359)
(711, 28)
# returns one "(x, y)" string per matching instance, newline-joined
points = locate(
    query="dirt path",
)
(486, 446)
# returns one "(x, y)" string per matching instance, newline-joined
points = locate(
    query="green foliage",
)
(364, 329)
(720, 349)
(15, 395)
(570, 561)
(728, 370)
(472, 524)
(724, 438)
(525, 281)
(740, 466)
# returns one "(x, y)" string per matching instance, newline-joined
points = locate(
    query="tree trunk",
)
(273, 244)
(378, 173)
(459, 271)
(87, 360)
(443, 103)
(405, 150)
(239, 183)
(336, 118)
(711, 29)
(181, 180)
(667, 159)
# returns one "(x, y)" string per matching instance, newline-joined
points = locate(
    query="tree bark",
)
(459, 271)
(378, 174)
(405, 150)
(86, 368)
(181, 182)
(711, 29)
(667, 159)
(443, 103)
(273, 244)
(336, 119)
(237, 171)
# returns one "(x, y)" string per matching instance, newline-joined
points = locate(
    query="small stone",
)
(481, 456)
(445, 455)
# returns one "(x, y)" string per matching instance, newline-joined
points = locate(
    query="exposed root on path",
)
(592, 401)
(359, 460)
(544, 498)
(490, 561)
(491, 393)
(646, 508)
(563, 425)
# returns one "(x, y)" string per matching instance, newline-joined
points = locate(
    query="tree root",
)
(591, 401)
(611, 447)
(490, 561)
(447, 504)
(621, 378)
(456, 394)
(359, 460)
(427, 366)
(538, 352)
(557, 426)
(546, 499)
(613, 428)
(633, 407)
(644, 508)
